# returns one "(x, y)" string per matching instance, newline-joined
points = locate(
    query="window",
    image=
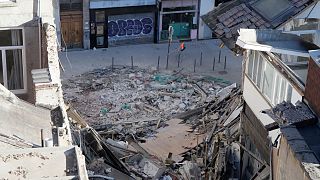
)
(271, 9)
(13, 65)
(271, 84)
(268, 80)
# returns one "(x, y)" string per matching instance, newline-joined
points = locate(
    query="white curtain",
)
(15, 73)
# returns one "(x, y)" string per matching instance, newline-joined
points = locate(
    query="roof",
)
(286, 113)
(21, 122)
(274, 41)
(229, 17)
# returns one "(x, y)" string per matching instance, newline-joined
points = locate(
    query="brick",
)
(246, 9)
(226, 30)
(220, 26)
(252, 26)
(248, 23)
(243, 6)
(249, 16)
(233, 11)
(219, 32)
(244, 18)
(253, 19)
(239, 8)
(312, 87)
(232, 24)
(228, 35)
(240, 13)
(221, 18)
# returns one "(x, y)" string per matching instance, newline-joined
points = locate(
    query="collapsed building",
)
(280, 109)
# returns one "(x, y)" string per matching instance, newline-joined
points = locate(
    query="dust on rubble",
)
(119, 95)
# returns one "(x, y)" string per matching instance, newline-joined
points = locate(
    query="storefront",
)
(122, 23)
(182, 15)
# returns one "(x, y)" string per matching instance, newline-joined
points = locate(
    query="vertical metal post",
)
(131, 62)
(158, 66)
(169, 43)
(179, 60)
(112, 63)
(42, 139)
(225, 62)
(194, 65)
(214, 63)
(219, 56)
(167, 65)
(201, 59)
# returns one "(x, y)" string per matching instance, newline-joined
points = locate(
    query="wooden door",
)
(72, 30)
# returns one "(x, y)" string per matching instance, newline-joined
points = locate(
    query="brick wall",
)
(312, 90)
(256, 132)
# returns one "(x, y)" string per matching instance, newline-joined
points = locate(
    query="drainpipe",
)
(40, 34)
(40, 41)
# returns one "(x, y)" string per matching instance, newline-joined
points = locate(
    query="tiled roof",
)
(229, 17)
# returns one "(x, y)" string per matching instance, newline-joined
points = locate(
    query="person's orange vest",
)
(182, 47)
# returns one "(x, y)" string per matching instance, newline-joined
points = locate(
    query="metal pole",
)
(112, 63)
(214, 63)
(201, 59)
(219, 56)
(194, 65)
(42, 138)
(225, 62)
(131, 62)
(158, 66)
(169, 42)
(179, 60)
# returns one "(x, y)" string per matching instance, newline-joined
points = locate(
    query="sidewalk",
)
(146, 55)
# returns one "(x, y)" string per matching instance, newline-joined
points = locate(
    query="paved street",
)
(146, 55)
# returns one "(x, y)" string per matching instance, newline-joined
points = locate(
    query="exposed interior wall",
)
(20, 12)
(23, 13)
(32, 58)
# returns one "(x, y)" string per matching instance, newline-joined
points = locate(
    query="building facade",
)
(182, 15)
(275, 71)
(114, 23)
(21, 42)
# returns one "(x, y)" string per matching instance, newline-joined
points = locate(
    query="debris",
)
(143, 115)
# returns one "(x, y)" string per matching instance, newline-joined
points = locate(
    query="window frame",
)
(279, 82)
(3, 50)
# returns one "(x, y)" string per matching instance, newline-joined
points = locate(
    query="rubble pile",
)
(156, 125)
(125, 100)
